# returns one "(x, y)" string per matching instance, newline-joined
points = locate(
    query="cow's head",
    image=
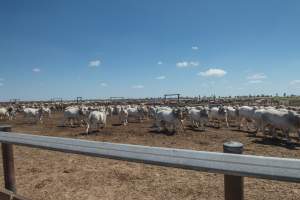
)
(10, 109)
(237, 107)
(178, 113)
(41, 110)
(144, 110)
(204, 112)
(222, 110)
(83, 110)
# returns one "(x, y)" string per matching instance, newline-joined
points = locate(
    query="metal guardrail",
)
(272, 168)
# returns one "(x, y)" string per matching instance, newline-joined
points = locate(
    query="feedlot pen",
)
(52, 175)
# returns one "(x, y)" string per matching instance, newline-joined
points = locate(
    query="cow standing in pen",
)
(198, 117)
(287, 121)
(218, 114)
(233, 114)
(34, 115)
(74, 114)
(123, 116)
(170, 120)
(96, 119)
(7, 113)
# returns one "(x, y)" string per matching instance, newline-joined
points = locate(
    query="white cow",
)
(218, 114)
(96, 118)
(136, 113)
(286, 121)
(46, 112)
(101, 108)
(232, 114)
(8, 113)
(110, 110)
(4, 113)
(198, 116)
(144, 110)
(34, 114)
(123, 116)
(117, 109)
(72, 114)
(161, 108)
(246, 113)
(152, 112)
(257, 117)
(169, 118)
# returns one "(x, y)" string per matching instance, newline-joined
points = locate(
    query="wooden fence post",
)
(233, 185)
(8, 162)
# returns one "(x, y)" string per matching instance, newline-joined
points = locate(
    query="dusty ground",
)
(44, 174)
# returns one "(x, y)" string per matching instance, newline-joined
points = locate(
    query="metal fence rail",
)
(272, 168)
(240, 165)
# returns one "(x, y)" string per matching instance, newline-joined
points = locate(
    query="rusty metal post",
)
(233, 185)
(8, 162)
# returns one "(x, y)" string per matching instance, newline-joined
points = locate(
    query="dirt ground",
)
(42, 174)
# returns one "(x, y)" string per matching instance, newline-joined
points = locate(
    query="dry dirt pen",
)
(43, 174)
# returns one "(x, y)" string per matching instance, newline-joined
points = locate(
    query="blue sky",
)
(143, 48)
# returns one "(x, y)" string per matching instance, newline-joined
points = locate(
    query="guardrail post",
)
(233, 185)
(8, 162)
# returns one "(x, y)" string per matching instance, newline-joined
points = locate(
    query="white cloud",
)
(182, 64)
(104, 84)
(161, 77)
(36, 70)
(94, 63)
(194, 63)
(185, 64)
(137, 86)
(255, 81)
(195, 48)
(258, 76)
(1, 84)
(159, 62)
(213, 72)
(295, 82)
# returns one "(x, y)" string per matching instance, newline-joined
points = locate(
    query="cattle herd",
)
(274, 121)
